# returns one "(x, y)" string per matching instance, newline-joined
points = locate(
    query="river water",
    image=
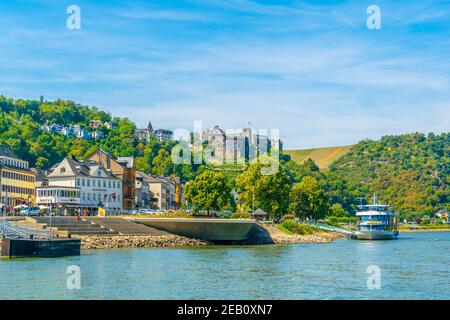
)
(416, 266)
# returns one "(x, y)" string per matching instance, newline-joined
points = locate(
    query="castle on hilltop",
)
(239, 144)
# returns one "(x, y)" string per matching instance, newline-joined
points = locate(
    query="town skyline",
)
(314, 71)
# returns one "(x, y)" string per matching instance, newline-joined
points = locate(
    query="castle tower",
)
(150, 127)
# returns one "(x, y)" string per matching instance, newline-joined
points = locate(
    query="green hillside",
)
(21, 129)
(410, 171)
(323, 157)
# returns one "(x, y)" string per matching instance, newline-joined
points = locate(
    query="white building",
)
(55, 196)
(97, 135)
(81, 184)
(163, 135)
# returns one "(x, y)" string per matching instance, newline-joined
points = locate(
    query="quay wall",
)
(10, 248)
(203, 229)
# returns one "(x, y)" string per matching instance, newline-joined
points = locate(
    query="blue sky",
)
(309, 68)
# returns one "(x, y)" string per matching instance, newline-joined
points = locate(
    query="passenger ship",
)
(376, 222)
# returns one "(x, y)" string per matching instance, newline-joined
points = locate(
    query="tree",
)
(162, 163)
(268, 192)
(273, 193)
(246, 184)
(309, 199)
(337, 210)
(209, 191)
(42, 163)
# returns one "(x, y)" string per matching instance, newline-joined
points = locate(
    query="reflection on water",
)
(416, 266)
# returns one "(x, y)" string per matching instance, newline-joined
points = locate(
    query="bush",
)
(290, 225)
(298, 228)
(288, 217)
(334, 221)
(241, 215)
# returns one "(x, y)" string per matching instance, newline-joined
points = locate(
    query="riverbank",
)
(423, 230)
(271, 235)
(120, 241)
(280, 237)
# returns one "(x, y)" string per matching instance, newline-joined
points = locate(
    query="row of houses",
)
(100, 180)
(73, 131)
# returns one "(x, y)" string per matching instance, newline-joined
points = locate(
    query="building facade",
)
(165, 193)
(164, 135)
(145, 134)
(142, 191)
(17, 181)
(81, 184)
(122, 168)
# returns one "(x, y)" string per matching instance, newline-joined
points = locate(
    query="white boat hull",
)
(374, 235)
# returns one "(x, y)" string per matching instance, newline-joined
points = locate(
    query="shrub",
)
(298, 228)
(334, 221)
(290, 225)
(241, 215)
(288, 217)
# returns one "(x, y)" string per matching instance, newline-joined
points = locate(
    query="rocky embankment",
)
(324, 237)
(264, 235)
(119, 241)
(272, 235)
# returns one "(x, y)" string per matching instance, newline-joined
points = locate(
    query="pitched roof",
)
(6, 152)
(71, 167)
(150, 178)
(126, 161)
(260, 212)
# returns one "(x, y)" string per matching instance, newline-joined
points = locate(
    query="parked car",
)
(30, 212)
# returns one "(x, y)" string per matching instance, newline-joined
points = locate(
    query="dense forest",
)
(411, 172)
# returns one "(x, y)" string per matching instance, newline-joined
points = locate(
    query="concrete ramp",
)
(126, 227)
(209, 229)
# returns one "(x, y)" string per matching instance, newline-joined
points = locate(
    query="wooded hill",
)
(410, 171)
